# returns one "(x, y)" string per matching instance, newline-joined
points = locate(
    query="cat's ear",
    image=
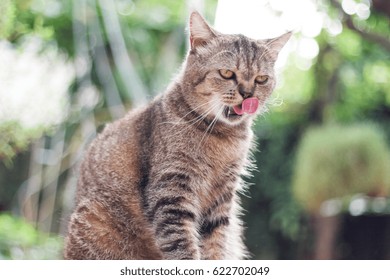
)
(276, 44)
(200, 31)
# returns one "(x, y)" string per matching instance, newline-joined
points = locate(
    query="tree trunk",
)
(326, 232)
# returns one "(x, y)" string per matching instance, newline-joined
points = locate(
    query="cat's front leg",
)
(213, 230)
(213, 237)
(221, 230)
(172, 212)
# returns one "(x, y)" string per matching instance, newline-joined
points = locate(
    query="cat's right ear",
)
(275, 45)
(200, 31)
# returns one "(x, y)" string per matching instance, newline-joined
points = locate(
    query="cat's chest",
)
(217, 186)
(225, 156)
(219, 178)
(227, 161)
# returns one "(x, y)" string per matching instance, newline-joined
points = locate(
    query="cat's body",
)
(162, 182)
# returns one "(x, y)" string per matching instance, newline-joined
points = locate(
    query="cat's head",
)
(229, 77)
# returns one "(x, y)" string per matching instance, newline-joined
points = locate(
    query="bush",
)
(20, 240)
(337, 161)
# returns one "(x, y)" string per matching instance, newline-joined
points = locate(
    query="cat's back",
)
(112, 156)
(107, 196)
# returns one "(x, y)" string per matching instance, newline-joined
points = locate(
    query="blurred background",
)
(321, 188)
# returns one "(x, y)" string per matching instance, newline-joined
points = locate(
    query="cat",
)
(163, 182)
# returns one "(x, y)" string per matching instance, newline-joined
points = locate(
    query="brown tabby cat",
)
(162, 182)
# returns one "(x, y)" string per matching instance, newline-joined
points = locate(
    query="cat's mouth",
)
(230, 113)
(248, 106)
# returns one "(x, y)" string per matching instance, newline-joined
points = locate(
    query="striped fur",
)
(163, 182)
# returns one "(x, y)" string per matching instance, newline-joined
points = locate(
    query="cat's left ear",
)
(276, 44)
(200, 31)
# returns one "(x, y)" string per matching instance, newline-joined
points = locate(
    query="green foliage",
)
(14, 138)
(20, 240)
(349, 45)
(337, 161)
(17, 19)
(7, 17)
(20, 20)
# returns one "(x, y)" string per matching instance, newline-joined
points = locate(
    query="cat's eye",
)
(226, 74)
(262, 79)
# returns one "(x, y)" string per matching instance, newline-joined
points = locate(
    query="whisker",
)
(208, 112)
(211, 125)
(191, 111)
(218, 116)
(198, 119)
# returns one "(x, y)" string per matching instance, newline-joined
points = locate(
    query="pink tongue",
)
(248, 106)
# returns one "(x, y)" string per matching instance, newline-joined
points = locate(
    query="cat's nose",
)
(245, 92)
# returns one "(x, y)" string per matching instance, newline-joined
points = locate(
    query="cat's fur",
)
(162, 182)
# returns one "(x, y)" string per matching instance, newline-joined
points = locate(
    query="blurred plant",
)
(15, 139)
(20, 240)
(33, 93)
(7, 17)
(18, 19)
(340, 161)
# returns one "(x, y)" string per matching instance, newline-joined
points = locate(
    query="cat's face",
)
(232, 75)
